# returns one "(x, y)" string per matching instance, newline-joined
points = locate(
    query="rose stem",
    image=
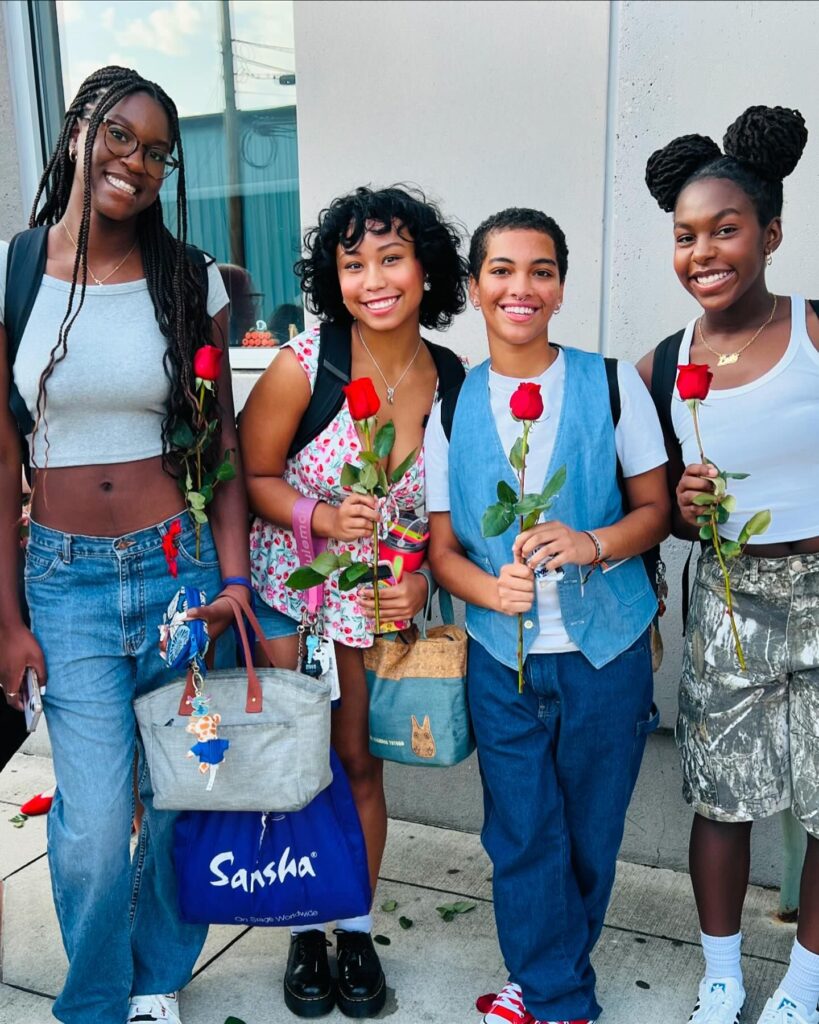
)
(521, 491)
(197, 524)
(376, 600)
(718, 549)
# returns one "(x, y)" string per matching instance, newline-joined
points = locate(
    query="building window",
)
(230, 68)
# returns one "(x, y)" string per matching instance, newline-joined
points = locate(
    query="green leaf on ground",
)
(449, 910)
(389, 905)
(19, 820)
(405, 922)
(382, 940)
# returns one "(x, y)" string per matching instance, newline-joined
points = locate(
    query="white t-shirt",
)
(638, 439)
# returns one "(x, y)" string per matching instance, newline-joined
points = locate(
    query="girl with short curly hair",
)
(747, 737)
(379, 266)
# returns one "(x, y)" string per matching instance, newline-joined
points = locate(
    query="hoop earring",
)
(557, 308)
(72, 155)
(768, 258)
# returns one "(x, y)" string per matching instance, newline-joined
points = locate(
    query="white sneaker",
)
(508, 1007)
(147, 1009)
(719, 1001)
(782, 1009)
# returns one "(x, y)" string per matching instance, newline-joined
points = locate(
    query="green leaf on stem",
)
(529, 503)
(729, 503)
(383, 482)
(505, 493)
(730, 548)
(345, 559)
(304, 578)
(349, 474)
(719, 486)
(756, 525)
(384, 440)
(369, 478)
(496, 520)
(326, 563)
(196, 499)
(517, 456)
(359, 489)
(226, 471)
(182, 436)
(721, 514)
(706, 532)
(554, 486)
(352, 575)
(199, 515)
(736, 476)
(531, 520)
(706, 498)
(207, 493)
(402, 467)
(370, 457)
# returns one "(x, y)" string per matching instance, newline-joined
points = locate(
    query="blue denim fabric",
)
(558, 765)
(95, 606)
(607, 613)
(273, 622)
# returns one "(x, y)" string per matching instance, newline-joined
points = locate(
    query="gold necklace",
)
(390, 388)
(98, 280)
(729, 358)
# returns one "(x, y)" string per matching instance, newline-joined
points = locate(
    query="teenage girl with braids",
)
(747, 738)
(104, 369)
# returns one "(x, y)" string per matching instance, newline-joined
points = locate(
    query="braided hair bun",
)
(669, 168)
(769, 140)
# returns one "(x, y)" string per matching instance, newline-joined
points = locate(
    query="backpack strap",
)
(25, 267)
(449, 367)
(334, 362)
(449, 400)
(814, 303)
(663, 377)
(200, 261)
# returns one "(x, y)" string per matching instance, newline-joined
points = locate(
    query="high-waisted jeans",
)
(558, 765)
(95, 605)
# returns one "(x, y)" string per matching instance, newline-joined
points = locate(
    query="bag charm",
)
(184, 641)
(317, 654)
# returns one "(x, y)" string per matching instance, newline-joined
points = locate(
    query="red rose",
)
(362, 399)
(694, 381)
(526, 403)
(207, 362)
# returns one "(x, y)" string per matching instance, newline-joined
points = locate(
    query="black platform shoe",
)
(362, 990)
(308, 985)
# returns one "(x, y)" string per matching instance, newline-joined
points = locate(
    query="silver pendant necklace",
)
(391, 388)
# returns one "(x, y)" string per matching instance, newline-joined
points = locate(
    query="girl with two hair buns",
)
(747, 738)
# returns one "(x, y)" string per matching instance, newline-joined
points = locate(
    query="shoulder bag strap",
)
(335, 359)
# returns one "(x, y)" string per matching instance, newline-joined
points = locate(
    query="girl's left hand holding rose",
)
(401, 601)
(558, 545)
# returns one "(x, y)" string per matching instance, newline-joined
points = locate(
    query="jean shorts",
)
(749, 741)
(274, 623)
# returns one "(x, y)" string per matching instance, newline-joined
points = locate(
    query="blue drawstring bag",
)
(305, 867)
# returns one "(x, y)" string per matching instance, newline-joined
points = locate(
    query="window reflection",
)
(230, 68)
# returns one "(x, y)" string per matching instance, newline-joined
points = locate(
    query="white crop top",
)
(768, 428)
(106, 400)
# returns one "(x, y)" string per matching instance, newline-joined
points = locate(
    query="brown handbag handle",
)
(241, 606)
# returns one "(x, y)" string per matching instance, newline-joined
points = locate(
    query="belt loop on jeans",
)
(66, 552)
(753, 571)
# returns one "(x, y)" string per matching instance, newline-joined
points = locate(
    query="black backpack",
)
(334, 366)
(25, 266)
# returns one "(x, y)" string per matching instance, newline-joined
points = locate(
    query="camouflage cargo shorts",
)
(749, 741)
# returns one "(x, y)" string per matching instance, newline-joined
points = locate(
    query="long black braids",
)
(173, 282)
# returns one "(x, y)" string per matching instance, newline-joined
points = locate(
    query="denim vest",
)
(608, 613)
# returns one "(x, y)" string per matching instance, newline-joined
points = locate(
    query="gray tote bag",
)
(278, 725)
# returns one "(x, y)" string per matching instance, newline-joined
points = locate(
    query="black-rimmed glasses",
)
(121, 141)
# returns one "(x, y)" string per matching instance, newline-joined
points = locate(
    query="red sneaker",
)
(504, 1008)
(40, 804)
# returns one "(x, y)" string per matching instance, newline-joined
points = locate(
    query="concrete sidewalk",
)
(648, 959)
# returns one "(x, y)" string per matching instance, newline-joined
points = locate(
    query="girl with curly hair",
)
(379, 266)
(747, 736)
(103, 381)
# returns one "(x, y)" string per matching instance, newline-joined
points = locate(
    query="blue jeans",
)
(95, 606)
(558, 765)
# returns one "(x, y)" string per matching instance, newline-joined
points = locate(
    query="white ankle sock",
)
(306, 928)
(802, 980)
(356, 924)
(722, 955)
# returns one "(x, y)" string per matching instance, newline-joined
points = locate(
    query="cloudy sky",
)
(176, 43)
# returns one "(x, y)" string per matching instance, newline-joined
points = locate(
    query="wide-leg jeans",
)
(558, 764)
(95, 605)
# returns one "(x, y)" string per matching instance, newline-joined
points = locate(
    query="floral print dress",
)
(315, 472)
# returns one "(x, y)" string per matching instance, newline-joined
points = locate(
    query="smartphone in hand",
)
(32, 699)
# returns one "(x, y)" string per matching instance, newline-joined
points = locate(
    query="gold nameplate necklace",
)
(729, 358)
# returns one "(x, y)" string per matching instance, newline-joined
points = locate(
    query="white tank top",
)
(769, 429)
